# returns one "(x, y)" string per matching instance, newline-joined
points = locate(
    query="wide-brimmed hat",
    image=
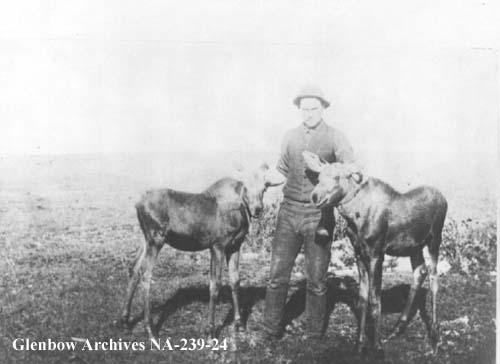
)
(311, 91)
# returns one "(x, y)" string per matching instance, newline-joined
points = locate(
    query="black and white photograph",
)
(231, 181)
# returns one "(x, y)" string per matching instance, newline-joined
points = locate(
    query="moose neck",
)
(351, 199)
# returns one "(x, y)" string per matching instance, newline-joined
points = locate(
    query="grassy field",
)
(68, 233)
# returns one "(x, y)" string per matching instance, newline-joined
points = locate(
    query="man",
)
(298, 218)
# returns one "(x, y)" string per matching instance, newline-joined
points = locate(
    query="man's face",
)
(312, 110)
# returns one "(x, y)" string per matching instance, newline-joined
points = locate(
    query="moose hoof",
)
(122, 323)
(364, 351)
(434, 339)
(238, 326)
(378, 353)
(361, 349)
(211, 332)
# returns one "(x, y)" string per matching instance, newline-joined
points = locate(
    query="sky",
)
(413, 86)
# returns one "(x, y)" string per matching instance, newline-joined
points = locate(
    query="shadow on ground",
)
(345, 290)
(340, 290)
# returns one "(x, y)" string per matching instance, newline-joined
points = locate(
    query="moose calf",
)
(383, 221)
(216, 219)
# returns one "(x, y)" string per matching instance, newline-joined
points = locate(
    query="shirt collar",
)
(318, 126)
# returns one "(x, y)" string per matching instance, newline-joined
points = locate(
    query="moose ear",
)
(313, 161)
(355, 172)
(357, 177)
(271, 178)
(274, 178)
(264, 167)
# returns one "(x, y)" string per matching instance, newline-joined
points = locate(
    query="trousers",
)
(296, 227)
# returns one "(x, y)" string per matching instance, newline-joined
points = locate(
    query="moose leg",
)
(424, 315)
(362, 305)
(234, 281)
(152, 251)
(419, 275)
(215, 282)
(434, 334)
(375, 301)
(132, 285)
